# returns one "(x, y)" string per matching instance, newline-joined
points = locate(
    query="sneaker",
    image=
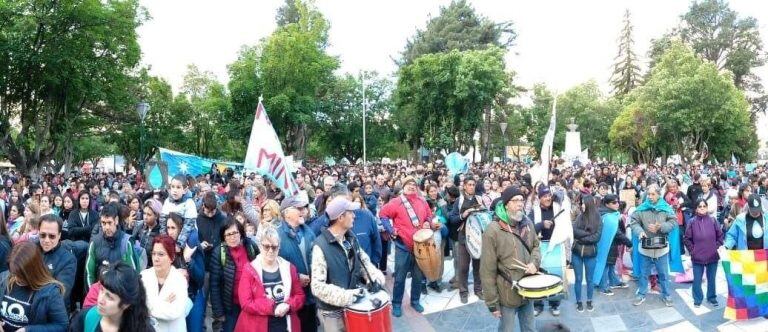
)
(639, 300)
(714, 303)
(464, 298)
(697, 305)
(607, 292)
(555, 311)
(667, 301)
(423, 290)
(416, 306)
(621, 285)
(536, 312)
(590, 308)
(397, 311)
(579, 307)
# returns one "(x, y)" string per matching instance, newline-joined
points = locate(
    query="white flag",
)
(265, 154)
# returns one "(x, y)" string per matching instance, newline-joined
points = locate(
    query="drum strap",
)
(411, 212)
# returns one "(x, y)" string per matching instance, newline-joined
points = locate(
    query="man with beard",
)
(507, 241)
(110, 245)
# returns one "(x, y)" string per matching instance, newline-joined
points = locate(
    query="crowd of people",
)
(102, 252)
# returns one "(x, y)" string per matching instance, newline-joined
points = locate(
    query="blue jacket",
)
(372, 202)
(63, 266)
(365, 229)
(48, 311)
(736, 238)
(290, 251)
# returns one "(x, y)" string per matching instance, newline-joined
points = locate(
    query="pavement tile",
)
(610, 323)
(684, 326)
(664, 315)
(638, 320)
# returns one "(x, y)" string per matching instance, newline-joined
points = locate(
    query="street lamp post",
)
(421, 150)
(503, 127)
(142, 108)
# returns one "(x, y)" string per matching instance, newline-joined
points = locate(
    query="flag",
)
(182, 163)
(733, 160)
(540, 172)
(747, 274)
(265, 154)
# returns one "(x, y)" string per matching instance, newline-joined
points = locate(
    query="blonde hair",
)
(274, 209)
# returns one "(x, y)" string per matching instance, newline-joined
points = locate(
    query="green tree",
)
(626, 72)
(245, 87)
(288, 13)
(294, 67)
(693, 105)
(61, 61)
(592, 111)
(442, 96)
(458, 27)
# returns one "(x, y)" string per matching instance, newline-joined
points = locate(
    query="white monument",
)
(572, 143)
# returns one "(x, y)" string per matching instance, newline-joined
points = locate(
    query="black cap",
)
(610, 198)
(510, 193)
(755, 204)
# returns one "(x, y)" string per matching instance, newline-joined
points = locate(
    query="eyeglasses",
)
(702, 206)
(231, 234)
(47, 236)
(269, 247)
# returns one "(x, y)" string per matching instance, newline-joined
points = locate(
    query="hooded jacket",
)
(702, 238)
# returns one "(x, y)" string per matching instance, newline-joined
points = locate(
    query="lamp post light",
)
(142, 108)
(503, 127)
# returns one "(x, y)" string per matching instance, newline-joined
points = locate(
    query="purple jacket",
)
(702, 238)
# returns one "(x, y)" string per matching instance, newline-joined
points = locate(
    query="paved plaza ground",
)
(444, 312)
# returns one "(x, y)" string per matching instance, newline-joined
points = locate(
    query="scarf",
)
(675, 259)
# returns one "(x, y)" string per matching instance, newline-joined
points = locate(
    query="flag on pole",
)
(540, 172)
(734, 161)
(265, 154)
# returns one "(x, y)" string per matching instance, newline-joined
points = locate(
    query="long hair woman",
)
(586, 234)
(28, 287)
(121, 306)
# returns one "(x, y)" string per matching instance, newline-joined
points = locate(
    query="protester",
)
(166, 287)
(190, 262)
(702, 238)
(748, 230)
(110, 245)
(587, 229)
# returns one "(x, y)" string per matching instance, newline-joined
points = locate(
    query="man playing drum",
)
(409, 213)
(508, 243)
(339, 266)
(467, 203)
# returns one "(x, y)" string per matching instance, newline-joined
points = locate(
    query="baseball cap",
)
(755, 204)
(544, 190)
(338, 206)
(293, 201)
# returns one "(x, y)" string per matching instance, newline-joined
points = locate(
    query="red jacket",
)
(257, 308)
(401, 222)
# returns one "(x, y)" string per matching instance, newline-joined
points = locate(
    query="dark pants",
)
(384, 253)
(462, 273)
(308, 318)
(539, 304)
(698, 271)
(230, 319)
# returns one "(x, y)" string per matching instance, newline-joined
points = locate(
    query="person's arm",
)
(67, 273)
(732, 237)
(489, 272)
(454, 217)
(536, 252)
(636, 224)
(164, 310)
(250, 212)
(669, 223)
(688, 238)
(196, 267)
(375, 274)
(296, 299)
(259, 305)
(217, 306)
(91, 267)
(328, 293)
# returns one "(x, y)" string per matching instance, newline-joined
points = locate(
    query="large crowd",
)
(231, 252)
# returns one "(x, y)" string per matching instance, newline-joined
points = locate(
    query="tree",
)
(294, 66)
(442, 96)
(458, 27)
(626, 72)
(288, 13)
(694, 106)
(718, 34)
(61, 61)
(245, 87)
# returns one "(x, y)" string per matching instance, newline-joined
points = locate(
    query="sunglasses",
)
(269, 247)
(47, 236)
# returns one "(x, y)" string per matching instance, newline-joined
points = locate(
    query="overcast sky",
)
(560, 43)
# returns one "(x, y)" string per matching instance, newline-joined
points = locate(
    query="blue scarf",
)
(675, 260)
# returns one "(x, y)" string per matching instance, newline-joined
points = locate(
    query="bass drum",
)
(371, 314)
(474, 228)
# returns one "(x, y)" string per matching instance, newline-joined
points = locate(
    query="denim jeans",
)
(405, 262)
(524, 313)
(662, 268)
(609, 278)
(580, 264)
(698, 271)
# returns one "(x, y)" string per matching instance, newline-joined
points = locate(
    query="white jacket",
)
(170, 317)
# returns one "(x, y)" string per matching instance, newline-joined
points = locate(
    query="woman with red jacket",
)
(270, 291)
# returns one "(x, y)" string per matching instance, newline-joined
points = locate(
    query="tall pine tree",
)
(626, 72)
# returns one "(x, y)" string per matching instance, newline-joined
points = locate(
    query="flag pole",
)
(365, 108)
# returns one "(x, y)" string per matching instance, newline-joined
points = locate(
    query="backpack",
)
(223, 253)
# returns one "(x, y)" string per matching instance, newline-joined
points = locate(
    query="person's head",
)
(50, 231)
(545, 196)
(233, 233)
(701, 207)
(152, 210)
(744, 191)
(32, 210)
(341, 213)
(58, 201)
(611, 201)
(134, 203)
(178, 186)
(123, 295)
(174, 225)
(16, 211)
(163, 251)
(269, 243)
(250, 229)
(755, 206)
(590, 213)
(380, 180)
(328, 182)
(513, 200)
(270, 211)
(368, 188)
(470, 184)
(652, 193)
(84, 200)
(209, 204)
(94, 188)
(353, 187)
(110, 219)
(27, 268)
(706, 185)
(410, 187)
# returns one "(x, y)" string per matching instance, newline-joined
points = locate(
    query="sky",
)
(560, 43)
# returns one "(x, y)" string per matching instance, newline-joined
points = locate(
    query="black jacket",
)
(223, 276)
(209, 229)
(76, 228)
(63, 266)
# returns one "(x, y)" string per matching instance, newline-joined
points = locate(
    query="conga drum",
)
(428, 255)
(371, 314)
